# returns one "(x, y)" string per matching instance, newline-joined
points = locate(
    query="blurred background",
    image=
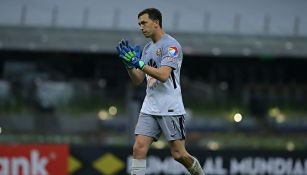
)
(243, 79)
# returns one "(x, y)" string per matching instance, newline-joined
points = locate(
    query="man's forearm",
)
(160, 74)
(137, 76)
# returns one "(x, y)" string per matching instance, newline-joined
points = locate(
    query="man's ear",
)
(156, 22)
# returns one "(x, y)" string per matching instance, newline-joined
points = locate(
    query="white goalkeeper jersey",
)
(163, 98)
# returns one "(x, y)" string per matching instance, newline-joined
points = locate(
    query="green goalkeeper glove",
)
(127, 64)
(130, 55)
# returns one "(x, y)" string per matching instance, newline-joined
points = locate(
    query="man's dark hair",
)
(153, 14)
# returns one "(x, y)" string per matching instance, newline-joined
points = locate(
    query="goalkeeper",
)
(162, 110)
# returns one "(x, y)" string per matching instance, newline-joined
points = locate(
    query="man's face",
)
(147, 26)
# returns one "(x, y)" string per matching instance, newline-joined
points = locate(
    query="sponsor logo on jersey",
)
(152, 82)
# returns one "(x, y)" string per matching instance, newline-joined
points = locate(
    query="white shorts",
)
(152, 125)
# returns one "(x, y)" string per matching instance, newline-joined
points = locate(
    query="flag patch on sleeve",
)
(173, 52)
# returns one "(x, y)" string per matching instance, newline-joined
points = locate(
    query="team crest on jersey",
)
(173, 52)
(158, 52)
